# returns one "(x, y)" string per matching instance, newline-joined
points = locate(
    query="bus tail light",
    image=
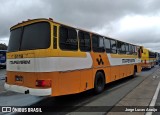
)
(43, 83)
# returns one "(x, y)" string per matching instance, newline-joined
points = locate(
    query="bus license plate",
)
(19, 78)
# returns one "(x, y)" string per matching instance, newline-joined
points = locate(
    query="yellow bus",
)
(49, 58)
(157, 57)
(148, 58)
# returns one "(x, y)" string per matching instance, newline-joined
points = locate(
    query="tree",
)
(3, 46)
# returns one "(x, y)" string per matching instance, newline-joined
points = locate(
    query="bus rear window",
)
(15, 38)
(30, 37)
(36, 36)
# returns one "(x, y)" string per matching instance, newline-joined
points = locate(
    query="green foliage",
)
(3, 46)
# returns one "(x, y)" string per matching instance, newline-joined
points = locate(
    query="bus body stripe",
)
(49, 64)
(119, 61)
(32, 91)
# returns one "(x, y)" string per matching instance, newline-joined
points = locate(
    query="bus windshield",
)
(30, 37)
(2, 55)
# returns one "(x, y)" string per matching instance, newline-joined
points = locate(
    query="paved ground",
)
(141, 96)
(87, 101)
(157, 104)
(117, 96)
(2, 79)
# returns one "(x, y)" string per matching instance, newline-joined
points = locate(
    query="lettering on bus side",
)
(18, 56)
(100, 60)
(128, 60)
(20, 62)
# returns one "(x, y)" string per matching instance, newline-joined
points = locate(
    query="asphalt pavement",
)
(2, 79)
(83, 103)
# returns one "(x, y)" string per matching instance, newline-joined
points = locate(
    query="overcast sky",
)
(134, 21)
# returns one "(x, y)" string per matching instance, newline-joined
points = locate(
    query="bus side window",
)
(123, 47)
(97, 43)
(127, 48)
(68, 38)
(107, 44)
(84, 41)
(113, 46)
(134, 49)
(151, 54)
(130, 49)
(118, 47)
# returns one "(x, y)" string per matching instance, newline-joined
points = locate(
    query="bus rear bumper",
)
(26, 90)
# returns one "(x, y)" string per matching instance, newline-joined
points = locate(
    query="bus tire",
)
(134, 74)
(99, 82)
(135, 71)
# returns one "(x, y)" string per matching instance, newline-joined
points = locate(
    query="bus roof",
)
(148, 50)
(29, 21)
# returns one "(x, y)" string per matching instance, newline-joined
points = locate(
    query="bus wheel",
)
(99, 82)
(135, 71)
(134, 74)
